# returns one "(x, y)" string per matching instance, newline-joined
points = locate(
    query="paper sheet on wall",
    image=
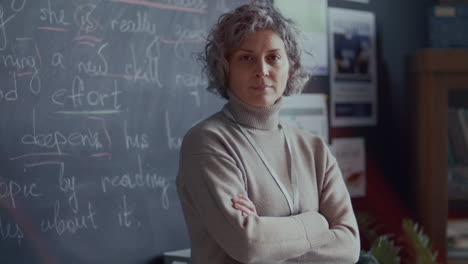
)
(311, 16)
(351, 158)
(353, 73)
(307, 112)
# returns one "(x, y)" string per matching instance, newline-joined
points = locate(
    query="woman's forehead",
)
(262, 40)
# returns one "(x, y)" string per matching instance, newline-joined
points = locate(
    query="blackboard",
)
(95, 97)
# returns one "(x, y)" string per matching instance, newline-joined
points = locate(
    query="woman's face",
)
(259, 69)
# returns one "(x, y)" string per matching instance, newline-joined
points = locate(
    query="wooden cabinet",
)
(434, 77)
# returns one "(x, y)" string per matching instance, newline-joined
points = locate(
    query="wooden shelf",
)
(433, 74)
(439, 61)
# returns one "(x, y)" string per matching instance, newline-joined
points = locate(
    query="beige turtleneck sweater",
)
(217, 162)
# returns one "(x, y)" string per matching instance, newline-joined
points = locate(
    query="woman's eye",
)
(274, 57)
(245, 58)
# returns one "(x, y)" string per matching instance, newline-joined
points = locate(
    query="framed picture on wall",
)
(353, 73)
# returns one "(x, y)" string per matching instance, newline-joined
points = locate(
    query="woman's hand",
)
(242, 203)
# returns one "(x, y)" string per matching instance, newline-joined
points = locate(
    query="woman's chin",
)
(262, 101)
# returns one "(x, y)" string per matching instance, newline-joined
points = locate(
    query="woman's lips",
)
(261, 87)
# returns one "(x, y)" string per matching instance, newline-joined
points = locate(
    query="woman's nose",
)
(261, 69)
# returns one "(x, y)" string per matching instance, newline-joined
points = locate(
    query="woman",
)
(253, 190)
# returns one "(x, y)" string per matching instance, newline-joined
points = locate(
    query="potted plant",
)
(413, 246)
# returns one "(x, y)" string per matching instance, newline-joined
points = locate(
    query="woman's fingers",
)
(244, 210)
(243, 204)
(246, 202)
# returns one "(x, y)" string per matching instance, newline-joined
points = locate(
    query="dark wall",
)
(401, 30)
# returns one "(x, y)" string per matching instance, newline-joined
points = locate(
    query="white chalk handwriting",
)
(138, 141)
(70, 225)
(11, 189)
(141, 25)
(11, 231)
(78, 97)
(53, 17)
(55, 139)
(140, 179)
(150, 71)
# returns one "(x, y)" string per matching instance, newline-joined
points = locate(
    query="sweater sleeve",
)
(209, 182)
(336, 207)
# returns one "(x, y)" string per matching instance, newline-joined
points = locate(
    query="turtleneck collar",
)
(259, 117)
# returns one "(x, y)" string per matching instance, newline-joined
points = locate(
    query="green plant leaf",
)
(367, 258)
(418, 244)
(385, 250)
